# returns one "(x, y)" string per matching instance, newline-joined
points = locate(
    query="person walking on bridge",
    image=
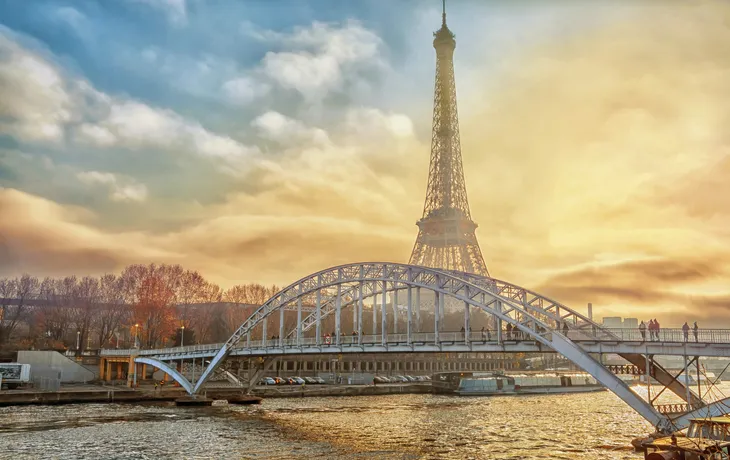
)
(652, 330)
(642, 330)
(695, 330)
(656, 328)
(685, 331)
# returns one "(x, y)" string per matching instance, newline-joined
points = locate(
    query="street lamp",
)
(78, 340)
(136, 335)
(182, 344)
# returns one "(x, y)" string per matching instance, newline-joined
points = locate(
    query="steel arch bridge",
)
(536, 317)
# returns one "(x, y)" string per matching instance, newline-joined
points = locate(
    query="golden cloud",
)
(597, 171)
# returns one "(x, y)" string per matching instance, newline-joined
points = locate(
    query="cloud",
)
(46, 239)
(41, 104)
(277, 127)
(596, 158)
(369, 122)
(34, 103)
(94, 134)
(121, 189)
(243, 90)
(319, 59)
(139, 125)
(176, 10)
(72, 17)
(606, 148)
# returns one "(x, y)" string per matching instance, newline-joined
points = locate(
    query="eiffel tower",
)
(446, 237)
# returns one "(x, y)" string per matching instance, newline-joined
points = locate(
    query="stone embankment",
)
(78, 394)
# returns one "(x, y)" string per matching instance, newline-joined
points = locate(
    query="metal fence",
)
(665, 335)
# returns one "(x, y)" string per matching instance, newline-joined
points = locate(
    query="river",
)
(577, 426)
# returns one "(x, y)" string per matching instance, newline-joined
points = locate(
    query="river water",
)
(577, 426)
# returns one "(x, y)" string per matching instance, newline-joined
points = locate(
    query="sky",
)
(260, 141)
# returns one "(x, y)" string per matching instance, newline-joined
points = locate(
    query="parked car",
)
(310, 380)
(379, 379)
(297, 380)
(267, 381)
(320, 380)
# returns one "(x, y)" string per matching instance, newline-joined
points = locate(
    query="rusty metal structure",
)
(446, 233)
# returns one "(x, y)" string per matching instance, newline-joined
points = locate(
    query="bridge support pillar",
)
(383, 316)
(359, 307)
(418, 309)
(499, 322)
(409, 325)
(102, 368)
(395, 310)
(467, 321)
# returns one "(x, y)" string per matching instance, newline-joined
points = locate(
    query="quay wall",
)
(113, 395)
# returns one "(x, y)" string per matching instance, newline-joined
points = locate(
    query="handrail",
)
(665, 335)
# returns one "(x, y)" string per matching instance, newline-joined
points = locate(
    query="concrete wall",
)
(51, 364)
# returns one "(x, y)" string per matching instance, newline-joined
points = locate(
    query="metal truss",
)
(526, 318)
(446, 234)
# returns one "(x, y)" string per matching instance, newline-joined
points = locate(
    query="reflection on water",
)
(577, 426)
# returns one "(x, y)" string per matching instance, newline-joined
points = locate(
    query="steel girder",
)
(447, 284)
(171, 371)
(559, 312)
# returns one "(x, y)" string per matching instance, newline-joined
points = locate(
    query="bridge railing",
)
(664, 335)
(667, 335)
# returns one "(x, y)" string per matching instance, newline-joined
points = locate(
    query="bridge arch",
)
(473, 292)
(544, 308)
(172, 372)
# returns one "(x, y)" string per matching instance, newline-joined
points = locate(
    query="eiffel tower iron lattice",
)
(446, 234)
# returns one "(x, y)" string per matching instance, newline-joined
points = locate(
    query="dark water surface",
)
(577, 426)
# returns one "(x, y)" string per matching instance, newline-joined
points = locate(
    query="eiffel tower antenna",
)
(446, 234)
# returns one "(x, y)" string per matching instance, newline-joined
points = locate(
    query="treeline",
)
(166, 305)
(154, 304)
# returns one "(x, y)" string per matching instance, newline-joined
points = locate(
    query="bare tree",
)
(24, 289)
(8, 289)
(203, 317)
(86, 298)
(56, 315)
(115, 312)
(189, 291)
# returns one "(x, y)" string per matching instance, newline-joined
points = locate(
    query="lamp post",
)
(136, 335)
(78, 340)
(182, 344)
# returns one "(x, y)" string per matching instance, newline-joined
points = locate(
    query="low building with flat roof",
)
(613, 322)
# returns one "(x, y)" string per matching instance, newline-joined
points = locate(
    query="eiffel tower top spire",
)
(446, 237)
(444, 34)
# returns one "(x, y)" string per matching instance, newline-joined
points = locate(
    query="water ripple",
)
(577, 426)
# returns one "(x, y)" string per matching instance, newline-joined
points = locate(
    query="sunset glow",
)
(254, 146)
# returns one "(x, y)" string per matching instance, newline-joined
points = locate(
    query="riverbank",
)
(80, 394)
(106, 394)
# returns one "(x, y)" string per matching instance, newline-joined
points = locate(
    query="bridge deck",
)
(716, 343)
